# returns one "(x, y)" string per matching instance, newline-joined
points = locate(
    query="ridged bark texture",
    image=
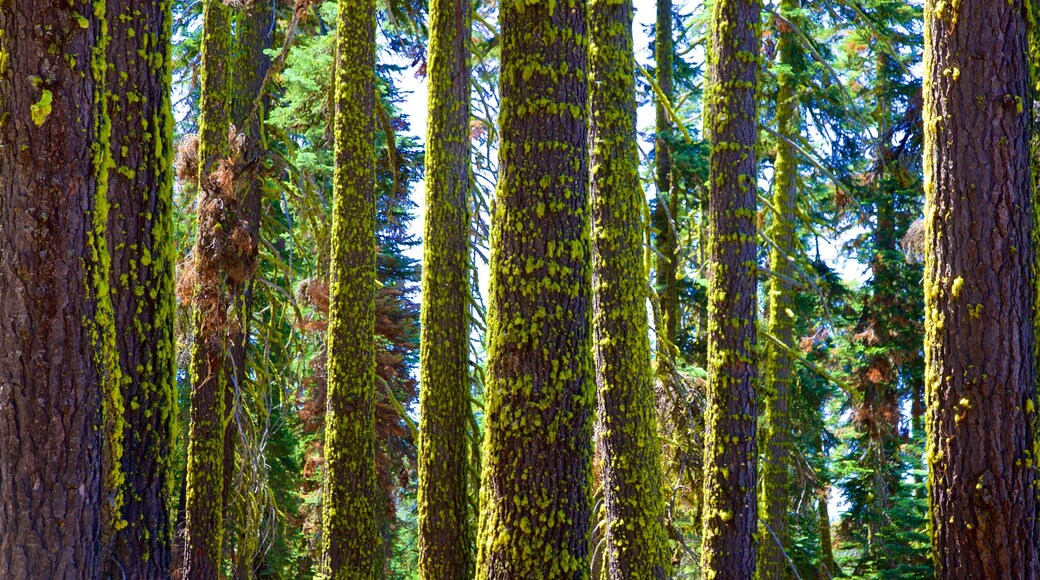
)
(728, 549)
(58, 366)
(204, 531)
(777, 372)
(535, 489)
(979, 290)
(445, 534)
(140, 231)
(636, 543)
(351, 544)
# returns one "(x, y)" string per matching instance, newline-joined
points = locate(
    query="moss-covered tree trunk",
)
(728, 549)
(778, 373)
(664, 212)
(351, 543)
(59, 369)
(979, 289)
(140, 230)
(254, 34)
(204, 529)
(627, 430)
(445, 537)
(535, 504)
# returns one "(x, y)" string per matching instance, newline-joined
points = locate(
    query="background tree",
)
(535, 488)
(777, 371)
(979, 289)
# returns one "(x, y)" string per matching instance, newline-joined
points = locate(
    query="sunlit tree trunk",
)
(140, 231)
(627, 430)
(728, 549)
(59, 369)
(778, 368)
(535, 504)
(979, 291)
(445, 537)
(351, 543)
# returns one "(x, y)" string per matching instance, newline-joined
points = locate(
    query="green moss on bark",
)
(351, 543)
(777, 372)
(627, 429)
(205, 470)
(729, 516)
(445, 537)
(534, 520)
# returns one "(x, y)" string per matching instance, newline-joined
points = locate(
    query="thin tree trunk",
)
(141, 225)
(636, 543)
(58, 364)
(535, 508)
(778, 375)
(979, 291)
(445, 537)
(204, 528)
(351, 543)
(730, 521)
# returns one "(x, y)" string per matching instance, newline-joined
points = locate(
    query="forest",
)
(519, 289)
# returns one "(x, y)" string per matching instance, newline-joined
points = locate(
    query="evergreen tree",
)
(444, 525)
(778, 367)
(627, 429)
(730, 444)
(979, 291)
(539, 403)
(351, 543)
(140, 226)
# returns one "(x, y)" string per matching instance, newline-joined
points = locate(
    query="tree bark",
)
(539, 406)
(140, 229)
(204, 528)
(57, 358)
(979, 291)
(730, 448)
(445, 535)
(778, 371)
(636, 543)
(351, 543)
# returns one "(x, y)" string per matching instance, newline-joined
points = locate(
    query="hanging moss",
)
(445, 537)
(539, 402)
(636, 543)
(729, 513)
(351, 543)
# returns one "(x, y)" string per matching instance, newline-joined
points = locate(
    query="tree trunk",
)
(664, 212)
(534, 520)
(254, 34)
(445, 535)
(141, 230)
(979, 290)
(730, 451)
(778, 375)
(57, 357)
(351, 543)
(627, 429)
(204, 534)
